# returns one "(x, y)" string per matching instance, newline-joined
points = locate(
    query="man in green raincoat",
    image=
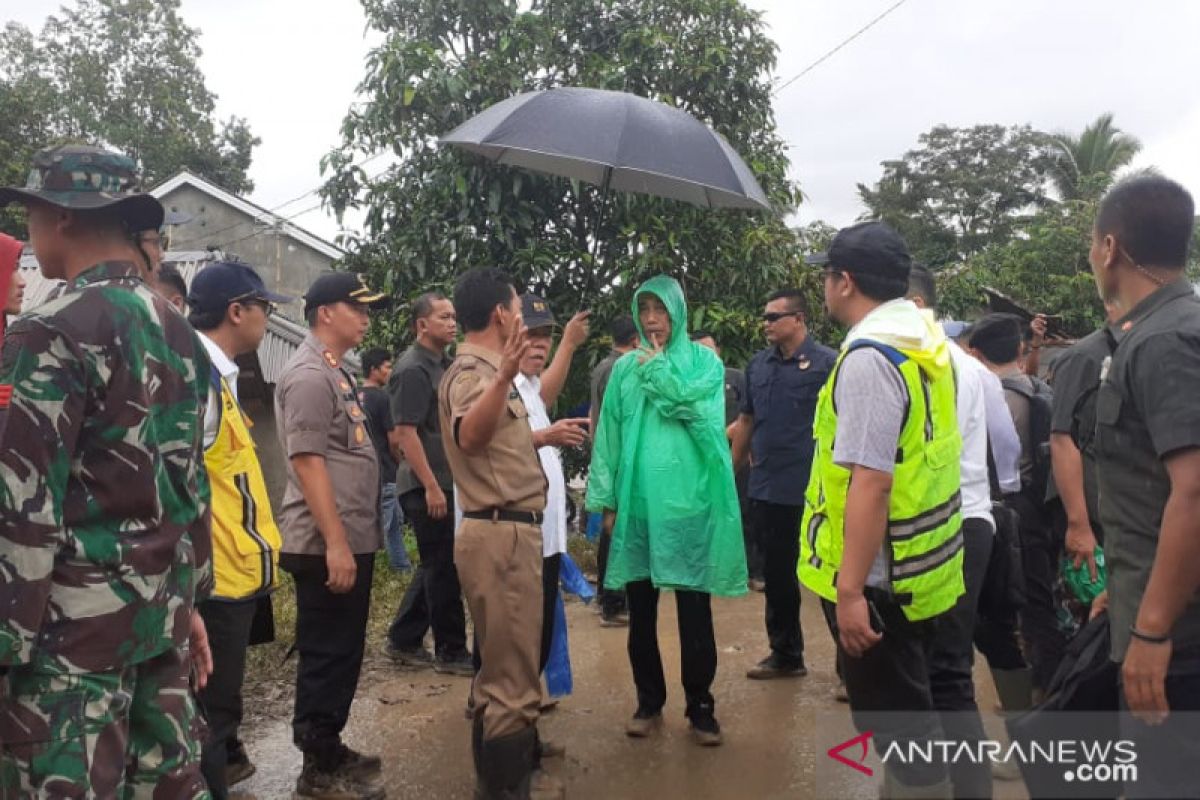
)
(662, 474)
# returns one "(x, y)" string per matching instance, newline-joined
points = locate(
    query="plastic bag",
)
(1079, 579)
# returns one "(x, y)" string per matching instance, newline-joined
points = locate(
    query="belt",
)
(506, 515)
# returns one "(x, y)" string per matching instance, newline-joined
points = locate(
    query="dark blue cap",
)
(225, 282)
(868, 248)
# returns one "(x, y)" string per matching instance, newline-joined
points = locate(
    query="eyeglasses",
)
(266, 305)
(772, 317)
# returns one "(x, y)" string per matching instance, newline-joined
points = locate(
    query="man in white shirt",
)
(952, 657)
(539, 391)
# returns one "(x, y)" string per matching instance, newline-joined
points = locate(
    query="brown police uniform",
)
(498, 549)
(317, 412)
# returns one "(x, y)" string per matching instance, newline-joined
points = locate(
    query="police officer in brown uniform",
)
(498, 549)
(331, 530)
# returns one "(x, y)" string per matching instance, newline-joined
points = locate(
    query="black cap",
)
(342, 287)
(868, 248)
(536, 313)
(225, 282)
(997, 332)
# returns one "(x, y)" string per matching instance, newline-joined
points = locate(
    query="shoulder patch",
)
(330, 359)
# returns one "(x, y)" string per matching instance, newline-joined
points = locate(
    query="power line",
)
(212, 235)
(845, 42)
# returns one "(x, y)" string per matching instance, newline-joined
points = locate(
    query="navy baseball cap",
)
(868, 248)
(224, 282)
(536, 313)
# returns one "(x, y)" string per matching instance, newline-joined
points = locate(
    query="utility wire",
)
(845, 42)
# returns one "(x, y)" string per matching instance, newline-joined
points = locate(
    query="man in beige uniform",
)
(331, 530)
(498, 548)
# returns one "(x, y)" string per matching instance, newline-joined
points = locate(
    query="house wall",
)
(285, 264)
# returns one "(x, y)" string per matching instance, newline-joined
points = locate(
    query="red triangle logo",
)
(864, 740)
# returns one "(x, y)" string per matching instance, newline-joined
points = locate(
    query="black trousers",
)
(889, 686)
(228, 625)
(952, 658)
(331, 633)
(778, 528)
(612, 601)
(434, 598)
(1041, 550)
(697, 649)
(550, 570)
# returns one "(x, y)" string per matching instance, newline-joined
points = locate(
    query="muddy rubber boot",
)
(506, 766)
(1015, 688)
(893, 789)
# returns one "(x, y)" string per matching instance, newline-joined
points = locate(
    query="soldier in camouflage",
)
(104, 504)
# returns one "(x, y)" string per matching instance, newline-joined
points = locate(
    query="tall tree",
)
(438, 211)
(122, 73)
(961, 189)
(1084, 166)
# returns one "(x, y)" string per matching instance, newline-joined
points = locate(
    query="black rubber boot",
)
(506, 766)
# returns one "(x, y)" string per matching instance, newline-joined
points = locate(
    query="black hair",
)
(921, 284)
(701, 333)
(422, 307)
(477, 293)
(207, 320)
(373, 359)
(310, 316)
(171, 277)
(877, 287)
(998, 337)
(1151, 218)
(624, 333)
(795, 298)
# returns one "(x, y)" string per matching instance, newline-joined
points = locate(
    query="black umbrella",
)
(613, 140)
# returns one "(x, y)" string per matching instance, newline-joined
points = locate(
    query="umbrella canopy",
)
(614, 140)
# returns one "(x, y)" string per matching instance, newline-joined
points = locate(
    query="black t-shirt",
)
(1146, 410)
(378, 409)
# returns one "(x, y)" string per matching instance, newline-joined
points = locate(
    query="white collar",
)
(227, 369)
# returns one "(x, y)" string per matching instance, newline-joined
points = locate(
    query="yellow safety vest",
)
(245, 540)
(924, 539)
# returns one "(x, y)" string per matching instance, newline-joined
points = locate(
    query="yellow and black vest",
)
(245, 540)
(924, 538)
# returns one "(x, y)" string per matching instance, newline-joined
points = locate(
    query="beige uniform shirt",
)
(508, 474)
(317, 411)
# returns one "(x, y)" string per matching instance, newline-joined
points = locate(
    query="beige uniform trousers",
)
(500, 569)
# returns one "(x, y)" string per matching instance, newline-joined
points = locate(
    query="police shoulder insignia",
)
(359, 434)
(331, 360)
(803, 363)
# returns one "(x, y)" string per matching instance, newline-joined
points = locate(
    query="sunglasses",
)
(775, 316)
(266, 305)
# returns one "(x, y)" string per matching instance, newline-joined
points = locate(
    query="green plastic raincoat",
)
(661, 460)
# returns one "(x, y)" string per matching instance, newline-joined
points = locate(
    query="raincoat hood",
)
(911, 330)
(668, 290)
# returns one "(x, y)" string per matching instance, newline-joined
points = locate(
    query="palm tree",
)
(1085, 165)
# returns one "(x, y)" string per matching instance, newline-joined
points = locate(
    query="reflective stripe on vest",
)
(924, 543)
(246, 541)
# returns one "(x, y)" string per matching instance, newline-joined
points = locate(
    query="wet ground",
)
(774, 730)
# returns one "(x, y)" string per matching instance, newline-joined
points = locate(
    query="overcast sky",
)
(291, 67)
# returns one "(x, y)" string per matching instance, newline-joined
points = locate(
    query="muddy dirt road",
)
(774, 730)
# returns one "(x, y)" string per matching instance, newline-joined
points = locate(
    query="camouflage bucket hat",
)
(88, 178)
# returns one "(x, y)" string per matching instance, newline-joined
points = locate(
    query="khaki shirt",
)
(317, 411)
(506, 475)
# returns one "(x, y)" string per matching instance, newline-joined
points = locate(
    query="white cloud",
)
(291, 68)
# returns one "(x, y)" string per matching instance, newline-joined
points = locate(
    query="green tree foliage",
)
(438, 211)
(961, 190)
(1083, 166)
(1045, 269)
(121, 73)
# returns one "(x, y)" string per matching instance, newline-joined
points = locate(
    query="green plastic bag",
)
(1079, 579)
(662, 461)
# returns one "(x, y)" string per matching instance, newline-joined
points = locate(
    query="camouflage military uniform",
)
(104, 543)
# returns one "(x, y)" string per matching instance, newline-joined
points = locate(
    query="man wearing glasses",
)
(774, 430)
(229, 310)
